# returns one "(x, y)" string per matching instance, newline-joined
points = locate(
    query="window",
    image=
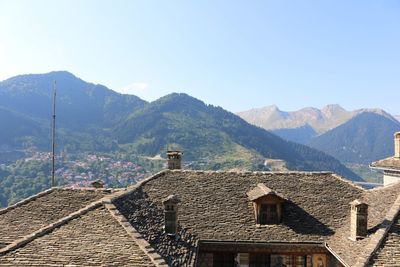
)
(268, 214)
(260, 260)
(224, 259)
(291, 261)
(274, 260)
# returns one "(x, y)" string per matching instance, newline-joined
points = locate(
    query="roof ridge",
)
(253, 172)
(386, 187)
(28, 199)
(105, 190)
(49, 228)
(377, 238)
(135, 235)
(339, 177)
(132, 188)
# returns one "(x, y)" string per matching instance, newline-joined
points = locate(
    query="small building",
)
(391, 165)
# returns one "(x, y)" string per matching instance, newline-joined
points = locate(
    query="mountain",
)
(363, 139)
(302, 134)
(208, 132)
(94, 118)
(15, 128)
(79, 104)
(397, 117)
(83, 110)
(321, 120)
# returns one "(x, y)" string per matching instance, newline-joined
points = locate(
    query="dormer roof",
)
(261, 190)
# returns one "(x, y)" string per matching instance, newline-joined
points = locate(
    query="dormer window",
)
(269, 214)
(267, 204)
(171, 214)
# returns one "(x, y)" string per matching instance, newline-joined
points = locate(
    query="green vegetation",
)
(206, 133)
(92, 119)
(27, 177)
(365, 138)
(23, 179)
(364, 171)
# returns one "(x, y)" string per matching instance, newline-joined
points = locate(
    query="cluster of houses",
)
(211, 219)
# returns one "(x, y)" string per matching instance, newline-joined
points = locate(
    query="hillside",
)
(321, 120)
(363, 139)
(94, 118)
(302, 134)
(84, 110)
(209, 132)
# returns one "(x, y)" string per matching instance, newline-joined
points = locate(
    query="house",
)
(208, 218)
(390, 166)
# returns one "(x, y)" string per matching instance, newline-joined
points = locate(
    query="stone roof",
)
(214, 206)
(382, 203)
(391, 163)
(103, 227)
(95, 239)
(45, 208)
(77, 227)
(388, 253)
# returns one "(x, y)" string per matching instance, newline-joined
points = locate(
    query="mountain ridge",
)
(321, 120)
(190, 124)
(92, 117)
(365, 138)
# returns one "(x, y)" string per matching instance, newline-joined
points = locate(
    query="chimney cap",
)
(98, 184)
(358, 202)
(174, 152)
(171, 199)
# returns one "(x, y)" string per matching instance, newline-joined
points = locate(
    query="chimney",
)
(171, 214)
(98, 184)
(174, 159)
(358, 220)
(397, 145)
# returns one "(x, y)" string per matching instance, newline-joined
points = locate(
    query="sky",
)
(235, 54)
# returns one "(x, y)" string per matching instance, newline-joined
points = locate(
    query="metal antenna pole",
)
(53, 172)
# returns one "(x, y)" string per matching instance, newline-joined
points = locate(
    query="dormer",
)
(358, 220)
(267, 204)
(171, 214)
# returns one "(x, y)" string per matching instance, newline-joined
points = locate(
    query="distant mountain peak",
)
(321, 120)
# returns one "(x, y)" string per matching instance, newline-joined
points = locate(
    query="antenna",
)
(53, 172)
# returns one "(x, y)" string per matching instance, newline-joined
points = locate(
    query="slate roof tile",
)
(94, 239)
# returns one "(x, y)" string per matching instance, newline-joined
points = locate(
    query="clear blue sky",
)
(235, 54)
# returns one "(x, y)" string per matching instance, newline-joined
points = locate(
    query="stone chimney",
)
(98, 184)
(358, 220)
(397, 145)
(171, 214)
(174, 159)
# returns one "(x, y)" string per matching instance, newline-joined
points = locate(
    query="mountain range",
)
(365, 138)
(321, 120)
(360, 136)
(92, 117)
